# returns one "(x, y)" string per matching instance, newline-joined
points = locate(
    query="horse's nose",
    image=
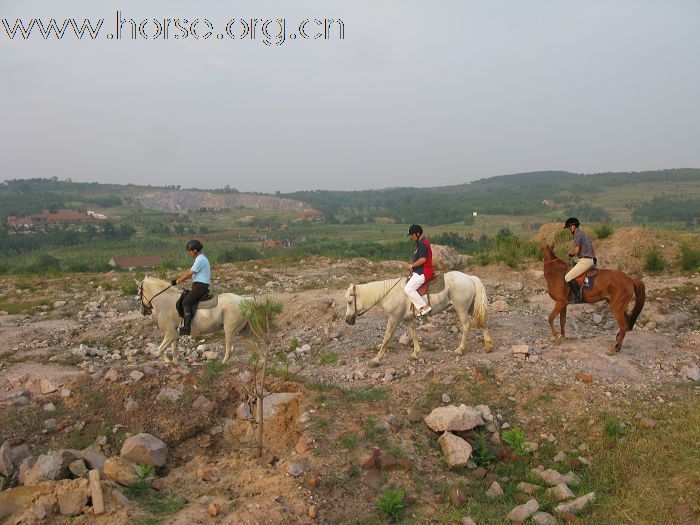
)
(350, 319)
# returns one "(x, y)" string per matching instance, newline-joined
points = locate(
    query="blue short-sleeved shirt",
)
(201, 269)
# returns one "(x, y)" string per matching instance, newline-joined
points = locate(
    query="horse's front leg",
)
(558, 307)
(562, 322)
(228, 344)
(414, 337)
(390, 327)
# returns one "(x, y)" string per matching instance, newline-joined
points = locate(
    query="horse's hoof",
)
(458, 351)
(488, 349)
(374, 363)
(613, 351)
(414, 357)
(224, 360)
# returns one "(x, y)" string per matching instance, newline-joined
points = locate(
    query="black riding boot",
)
(575, 296)
(185, 329)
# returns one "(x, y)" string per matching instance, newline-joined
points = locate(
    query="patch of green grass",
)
(212, 370)
(515, 438)
(393, 504)
(349, 441)
(603, 231)
(329, 358)
(481, 454)
(155, 503)
(371, 430)
(654, 262)
(613, 428)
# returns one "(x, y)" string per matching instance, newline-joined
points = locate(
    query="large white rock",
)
(553, 478)
(453, 418)
(544, 518)
(457, 451)
(576, 506)
(146, 449)
(559, 493)
(522, 512)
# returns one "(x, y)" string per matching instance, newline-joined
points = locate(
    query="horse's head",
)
(145, 302)
(351, 308)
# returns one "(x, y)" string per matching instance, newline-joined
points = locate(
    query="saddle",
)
(435, 285)
(208, 301)
(587, 278)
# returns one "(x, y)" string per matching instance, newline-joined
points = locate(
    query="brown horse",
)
(613, 286)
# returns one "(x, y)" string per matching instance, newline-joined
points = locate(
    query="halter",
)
(354, 298)
(147, 309)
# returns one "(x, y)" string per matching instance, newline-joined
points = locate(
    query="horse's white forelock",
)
(372, 293)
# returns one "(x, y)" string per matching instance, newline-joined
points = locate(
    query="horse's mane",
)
(155, 280)
(375, 291)
(553, 255)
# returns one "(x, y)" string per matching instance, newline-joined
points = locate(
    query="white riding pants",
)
(412, 285)
(581, 266)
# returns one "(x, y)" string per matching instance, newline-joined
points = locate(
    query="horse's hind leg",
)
(390, 327)
(558, 307)
(228, 343)
(414, 337)
(464, 321)
(167, 341)
(618, 310)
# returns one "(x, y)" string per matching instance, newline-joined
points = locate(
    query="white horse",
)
(465, 292)
(160, 297)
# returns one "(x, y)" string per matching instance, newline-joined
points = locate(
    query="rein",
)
(149, 307)
(354, 298)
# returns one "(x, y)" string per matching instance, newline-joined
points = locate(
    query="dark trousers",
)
(198, 291)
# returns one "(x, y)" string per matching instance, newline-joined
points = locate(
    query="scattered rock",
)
(520, 349)
(111, 375)
(586, 378)
(457, 451)
(575, 506)
(50, 385)
(146, 449)
(72, 501)
(559, 493)
(647, 422)
(467, 521)
(214, 509)
(121, 471)
(528, 488)
(690, 372)
(98, 504)
(560, 457)
(522, 512)
(446, 397)
(544, 518)
(453, 418)
(494, 491)
(295, 469)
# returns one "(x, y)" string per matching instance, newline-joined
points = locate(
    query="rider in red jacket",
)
(421, 269)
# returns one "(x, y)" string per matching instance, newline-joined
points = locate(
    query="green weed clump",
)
(654, 261)
(481, 454)
(393, 504)
(603, 231)
(613, 428)
(515, 438)
(690, 258)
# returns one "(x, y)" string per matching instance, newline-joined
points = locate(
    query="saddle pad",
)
(586, 279)
(209, 302)
(433, 286)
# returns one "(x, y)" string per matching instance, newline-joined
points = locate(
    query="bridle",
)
(147, 309)
(354, 299)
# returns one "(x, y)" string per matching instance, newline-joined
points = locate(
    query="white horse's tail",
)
(479, 308)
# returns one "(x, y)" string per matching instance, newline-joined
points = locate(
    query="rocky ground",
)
(78, 375)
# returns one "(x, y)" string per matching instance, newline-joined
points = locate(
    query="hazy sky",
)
(417, 94)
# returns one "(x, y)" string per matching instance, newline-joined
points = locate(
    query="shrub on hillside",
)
(654, 261)
(690, 258)
(603, 231)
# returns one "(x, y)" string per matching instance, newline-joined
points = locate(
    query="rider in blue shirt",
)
(201, 278)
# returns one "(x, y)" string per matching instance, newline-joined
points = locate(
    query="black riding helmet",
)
(571, 221)
(415, 228)
(195, 245)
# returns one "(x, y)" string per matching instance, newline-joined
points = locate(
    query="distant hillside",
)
(593, 197)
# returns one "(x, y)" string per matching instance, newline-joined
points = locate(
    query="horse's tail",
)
(639, 297)
(478, 310)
